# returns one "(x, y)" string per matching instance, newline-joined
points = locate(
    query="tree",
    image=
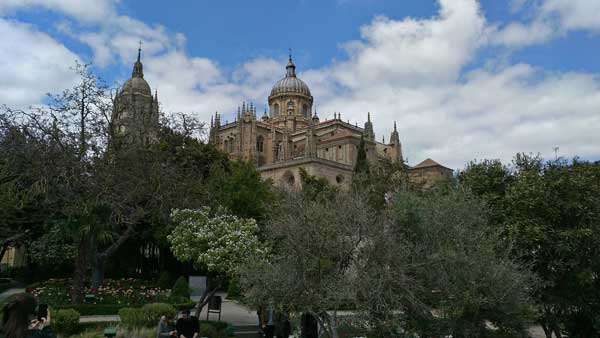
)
(490, 180)
(314, 244)
(457, 266)
(553, 216)
(243, 192)
(216, 241)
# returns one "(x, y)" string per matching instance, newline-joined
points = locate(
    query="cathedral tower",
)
(290, 101)
(135, 114)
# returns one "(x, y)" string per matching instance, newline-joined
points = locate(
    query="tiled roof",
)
(428, 163)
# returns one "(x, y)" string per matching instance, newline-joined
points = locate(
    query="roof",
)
(429, 163)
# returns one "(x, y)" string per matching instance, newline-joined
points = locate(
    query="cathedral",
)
(287, 137)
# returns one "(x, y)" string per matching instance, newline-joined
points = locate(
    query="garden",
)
(112, 295)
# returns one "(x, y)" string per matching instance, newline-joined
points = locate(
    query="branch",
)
(117, 244)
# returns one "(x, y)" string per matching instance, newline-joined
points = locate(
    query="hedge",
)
(66, 321)
(112, 309)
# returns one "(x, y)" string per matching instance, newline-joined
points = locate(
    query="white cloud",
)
(412, 71)
(548, 19)
(83, 10)
(32, 64)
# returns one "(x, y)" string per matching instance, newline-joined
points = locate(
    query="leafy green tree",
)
(244, 192)
(314, 243)
(216, 241)
(490, 180)
(554, 219)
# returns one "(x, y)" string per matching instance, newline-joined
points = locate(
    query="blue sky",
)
(465, 79)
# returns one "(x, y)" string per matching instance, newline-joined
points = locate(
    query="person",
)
(19, 319)
(187, 326)
(164, 329)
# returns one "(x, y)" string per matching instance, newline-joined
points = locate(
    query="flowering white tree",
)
(215, 240)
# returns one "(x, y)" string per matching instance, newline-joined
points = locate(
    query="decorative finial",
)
(395, 126)
(369, 116)
(290, 55)
(139, 51)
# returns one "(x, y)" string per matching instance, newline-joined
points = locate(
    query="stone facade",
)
(291, 136)
(135, 114)
(288, 137)
(428, 173)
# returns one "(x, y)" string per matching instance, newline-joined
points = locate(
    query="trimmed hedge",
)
(66, 321)
(146, 316)
(112, 309)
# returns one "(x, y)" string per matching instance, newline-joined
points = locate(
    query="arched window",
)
(226, 145)
(259, 143)
(305, 110)
(276, 110)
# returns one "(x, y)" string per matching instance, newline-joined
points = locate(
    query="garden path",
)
(10, 292)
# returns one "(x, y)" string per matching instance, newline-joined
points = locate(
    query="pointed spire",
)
(291, 67)
(243, 107)
(395, 126)
(138, 69)
(156, 95)
(369, 116)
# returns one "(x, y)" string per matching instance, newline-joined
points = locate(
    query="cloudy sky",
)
(464, 79)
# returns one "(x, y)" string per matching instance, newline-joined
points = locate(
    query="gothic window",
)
(276, 110)
(305, 110)
(259, 143)
(226, 145)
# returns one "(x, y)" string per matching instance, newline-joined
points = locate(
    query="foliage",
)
(233, 289)
(490, 180)
(314, 244)
(214, 329)
(52, 248)
(66, 321)
(452, 251)
(420, 255)
(132, 317)
(219, 242)
(180, 291)
(243, 192)
(128, 291)
(166, 280)
(550, 214)
(153, 312)
(136, 332)
(361, 167)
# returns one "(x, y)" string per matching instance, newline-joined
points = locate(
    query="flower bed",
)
(120, 292)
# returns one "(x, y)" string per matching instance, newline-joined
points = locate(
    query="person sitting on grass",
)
(19, 319)
(164, 328)
(187, 326)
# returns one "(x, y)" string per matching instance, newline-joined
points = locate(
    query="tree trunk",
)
(98, 272)
(79, 274)
(333, 325)
(206, 296)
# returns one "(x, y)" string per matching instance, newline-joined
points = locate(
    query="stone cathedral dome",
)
(137, 84)
(290, 84)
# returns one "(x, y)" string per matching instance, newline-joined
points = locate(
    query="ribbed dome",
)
(137, 85)
(290, 83)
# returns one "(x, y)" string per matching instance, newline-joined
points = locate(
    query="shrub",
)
(233, 290)
(166, 280)
(207, 330)
(66, 321)
(89, 334)
(180, 291)
(153, 312)
(137, 332)
(132, 317)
